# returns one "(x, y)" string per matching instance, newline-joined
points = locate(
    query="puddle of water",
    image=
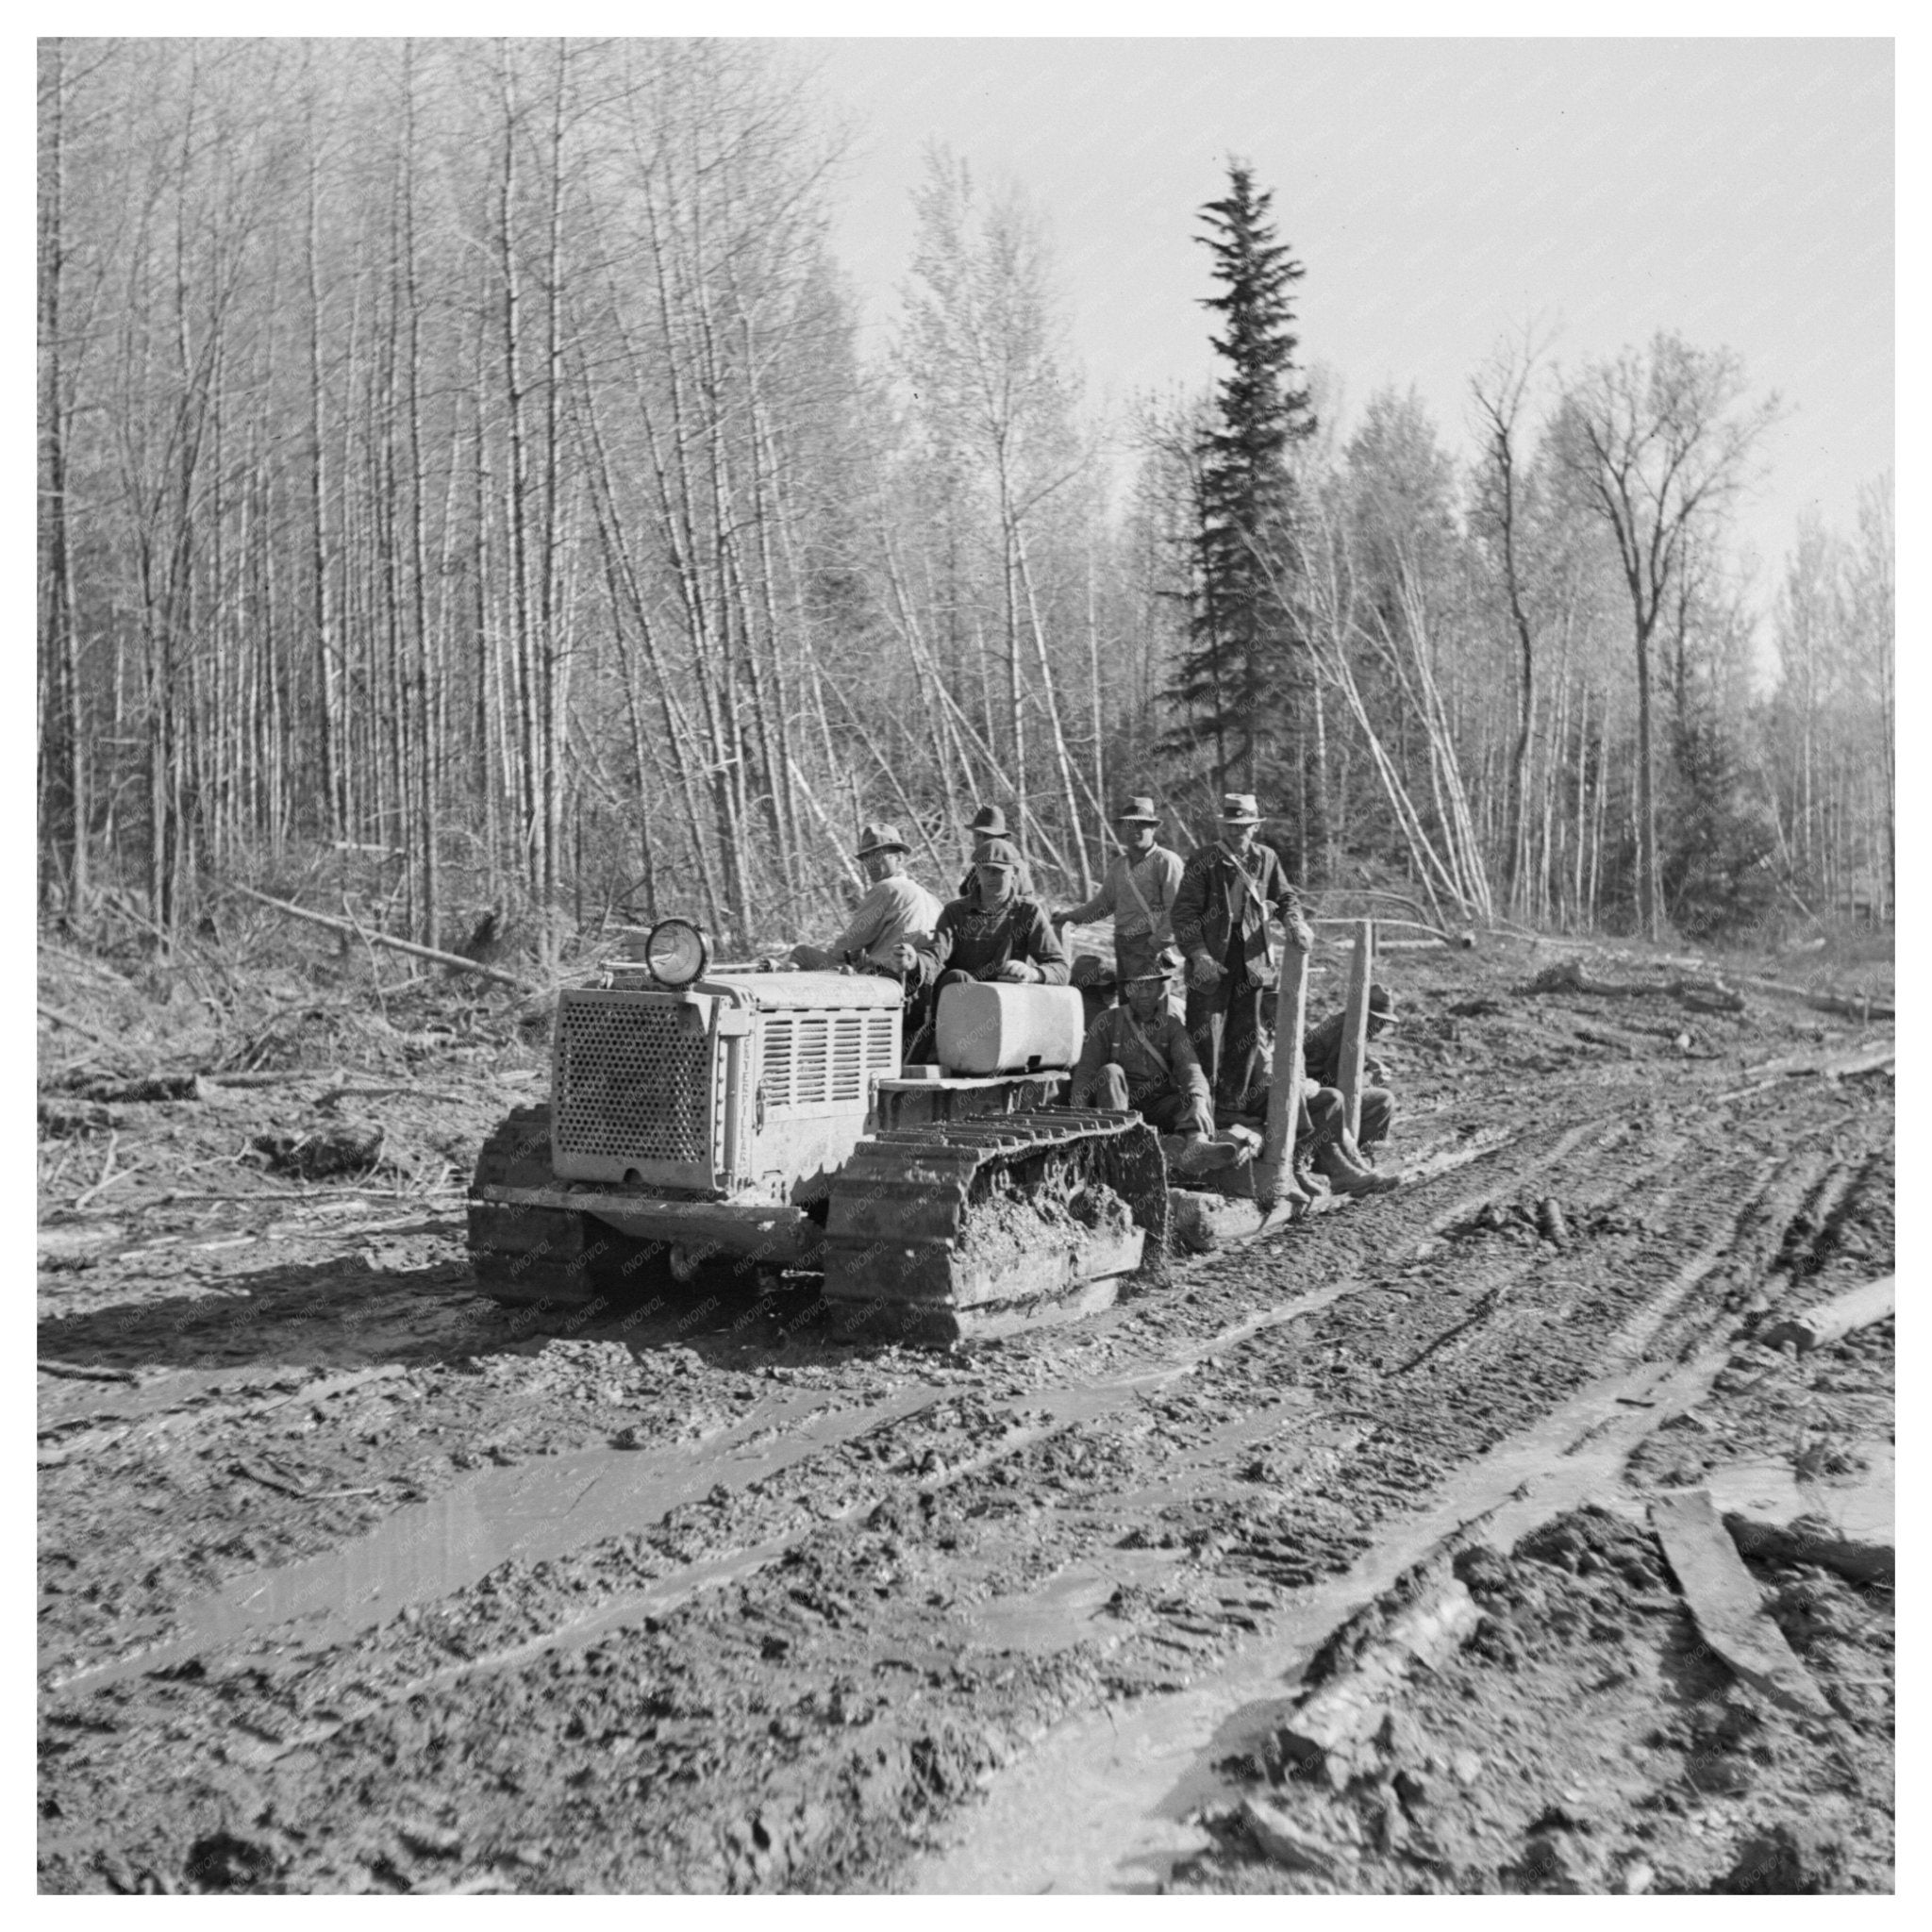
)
(1103, 1805)
(549, 1508)
(535, 1510)
(1061, 1613)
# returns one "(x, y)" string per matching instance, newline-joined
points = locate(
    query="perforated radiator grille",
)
(631, 1083)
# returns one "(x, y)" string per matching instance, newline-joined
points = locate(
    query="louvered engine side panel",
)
(815, 1072)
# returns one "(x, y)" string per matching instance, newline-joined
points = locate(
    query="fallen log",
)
(1705, 995)
(1808, 1541)
(455, 961)
(1725, 1602)
(125, 1092)
(1869, 1061)
(1850, 1526)
(1839, 1067)
(1330, 1734)
(1832, 1320)
(278, 1079)
(1851, 1007)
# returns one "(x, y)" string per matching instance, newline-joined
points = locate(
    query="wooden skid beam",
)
(1274, 1168)
(1355, 1023)
(1725, 1600)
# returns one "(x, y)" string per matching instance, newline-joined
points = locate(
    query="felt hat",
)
(1138, 811)
(997, 852)
(1382, 1002)
(1239, 808)
(1091, 974)
(880, 838)
(989, 822)
(1168, 962)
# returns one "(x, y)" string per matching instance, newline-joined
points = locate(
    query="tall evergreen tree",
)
(1245, 680)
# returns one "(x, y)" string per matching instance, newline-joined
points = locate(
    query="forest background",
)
(464, 484)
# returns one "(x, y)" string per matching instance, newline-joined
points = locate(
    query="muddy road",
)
(351, 1580)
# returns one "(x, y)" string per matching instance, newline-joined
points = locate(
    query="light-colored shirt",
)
(1157, 874)
(896, 911)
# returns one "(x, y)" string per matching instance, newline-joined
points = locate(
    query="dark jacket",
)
(970, 938)
(1213, 902)
(1157, 1057)
(1321, 1053)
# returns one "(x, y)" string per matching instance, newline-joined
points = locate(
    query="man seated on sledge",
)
(895, 912)
(1323, 1144)
(1137, 1055)
(1322, 1055)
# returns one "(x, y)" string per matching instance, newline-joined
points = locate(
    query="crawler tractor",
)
(762, 1122)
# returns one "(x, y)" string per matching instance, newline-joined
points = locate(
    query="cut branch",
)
(455, 961)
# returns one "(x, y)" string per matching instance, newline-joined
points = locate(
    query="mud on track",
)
(351, 1580)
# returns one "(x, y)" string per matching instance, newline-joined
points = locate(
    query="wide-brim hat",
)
(1091, 974)
(1138, 811)
(1382, 1003)
(989, 822)
(1168, 963)
(997, 852)
(880, 838)
(1239, 808)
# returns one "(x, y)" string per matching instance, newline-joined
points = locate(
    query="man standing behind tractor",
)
(1137, 892)
(986, 824)
(896, 911)
(1221, 911)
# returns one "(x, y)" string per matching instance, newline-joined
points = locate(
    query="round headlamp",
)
(675, 952)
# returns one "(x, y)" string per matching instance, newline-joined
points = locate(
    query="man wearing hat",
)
(1326, 1145)
(1221, 906)
(895, 912)
(1138, 1056)
(1136, 894)
(993, 932)
(989, 822)
(1322, 1056)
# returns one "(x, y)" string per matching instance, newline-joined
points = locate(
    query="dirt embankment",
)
(351, 1580)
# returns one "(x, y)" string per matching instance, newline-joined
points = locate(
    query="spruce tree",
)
(1244, 679)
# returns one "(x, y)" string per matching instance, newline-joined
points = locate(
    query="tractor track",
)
(882, 1580)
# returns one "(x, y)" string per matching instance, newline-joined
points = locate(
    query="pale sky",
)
(1439, 194)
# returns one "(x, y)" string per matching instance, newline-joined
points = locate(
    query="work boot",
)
(1348, 1176)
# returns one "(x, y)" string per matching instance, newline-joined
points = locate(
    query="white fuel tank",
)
(993, 1028)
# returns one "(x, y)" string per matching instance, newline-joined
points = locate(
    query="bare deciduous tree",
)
(1659, 445)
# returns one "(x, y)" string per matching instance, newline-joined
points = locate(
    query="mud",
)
(351, 1580)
